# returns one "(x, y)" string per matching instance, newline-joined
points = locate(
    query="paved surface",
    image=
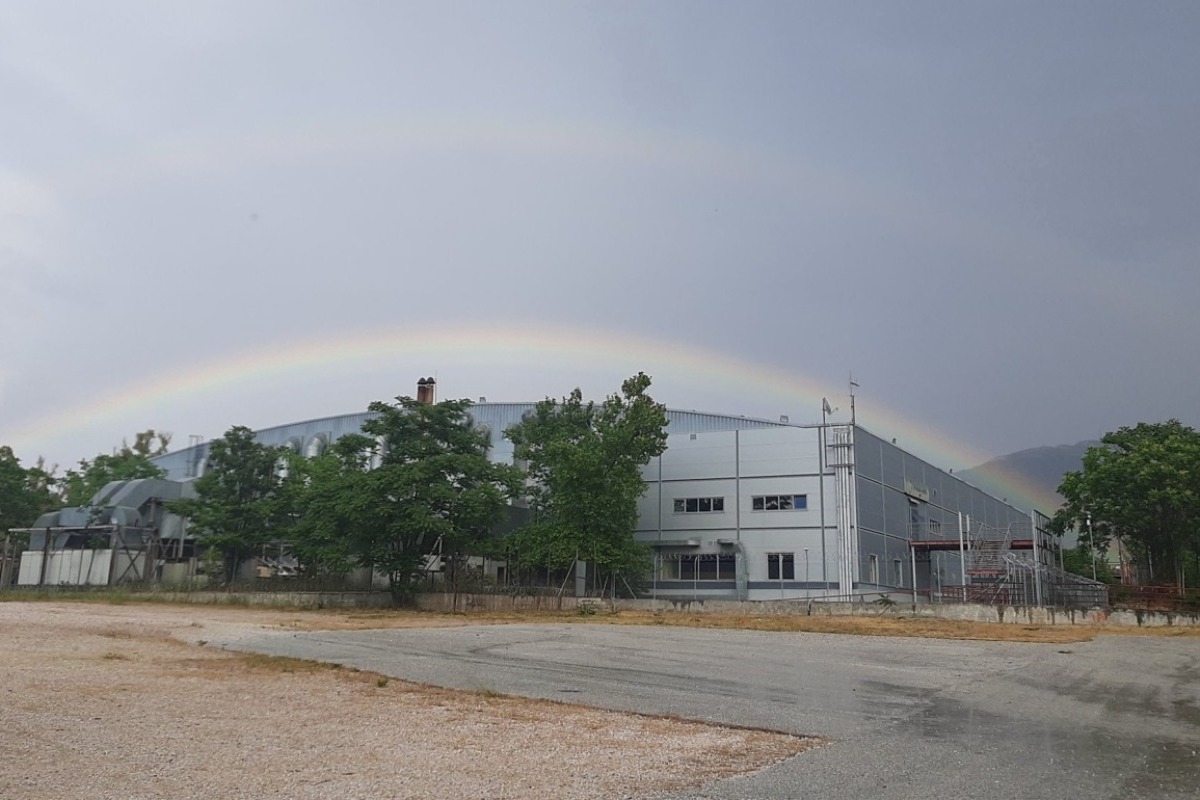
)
(910, 719)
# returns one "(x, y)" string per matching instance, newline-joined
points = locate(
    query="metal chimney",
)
(426, 388)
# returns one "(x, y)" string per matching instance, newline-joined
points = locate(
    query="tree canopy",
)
(236, 508)
(1141, 486)
(434, 482)
(585, 465)
(78, 486)
(328, 501)
(24, 492)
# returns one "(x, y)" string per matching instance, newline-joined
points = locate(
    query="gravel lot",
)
(122, 702)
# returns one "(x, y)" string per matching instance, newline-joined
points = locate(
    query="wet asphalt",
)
(1118, 717)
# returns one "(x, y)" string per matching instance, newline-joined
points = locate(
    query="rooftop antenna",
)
(853, 386)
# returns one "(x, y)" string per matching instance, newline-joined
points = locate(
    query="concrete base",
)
(1016, 615)
(468, 603)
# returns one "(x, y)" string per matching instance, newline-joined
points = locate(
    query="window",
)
(897, 572)
(779, 502)
(699, 505)
(781, 566)
(873, 570)
(706, 567)
(935, 527)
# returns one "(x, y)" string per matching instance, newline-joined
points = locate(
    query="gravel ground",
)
(122, 702)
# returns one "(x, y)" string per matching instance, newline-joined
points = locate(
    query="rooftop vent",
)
(426, 389)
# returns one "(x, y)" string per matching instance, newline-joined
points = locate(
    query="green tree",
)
(1085, 561)
(434, 482)
(80, 485)
(236, 510)
(328, 501)
(25, 493)
(585, 461)
(1141, 485)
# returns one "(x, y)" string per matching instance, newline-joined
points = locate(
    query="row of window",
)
(699, 505)
(780, 567)
(723, 567)
(765, 502)
(780, 502)
(704, 567)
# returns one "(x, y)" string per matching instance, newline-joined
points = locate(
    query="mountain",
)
(1041, 468)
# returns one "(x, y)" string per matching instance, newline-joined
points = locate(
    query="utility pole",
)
(1091, 544)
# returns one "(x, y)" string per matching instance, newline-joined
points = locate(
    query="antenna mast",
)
(853, 386)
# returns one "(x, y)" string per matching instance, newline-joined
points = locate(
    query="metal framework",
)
(131, 551)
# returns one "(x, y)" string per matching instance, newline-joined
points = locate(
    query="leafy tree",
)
(434, 481)
(327, 498)
(24, 492)
(1082, 559)
(1141, 485)
(585, 461)
(236, 509)
(80, 485)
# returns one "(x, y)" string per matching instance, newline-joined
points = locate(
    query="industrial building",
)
(755, 509)
(125, 535)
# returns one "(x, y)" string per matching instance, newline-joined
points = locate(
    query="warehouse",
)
(753, 509)
(779, 511)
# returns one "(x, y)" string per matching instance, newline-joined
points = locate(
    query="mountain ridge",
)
(1041, 467)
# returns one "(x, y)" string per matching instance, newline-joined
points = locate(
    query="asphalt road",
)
(910, 719)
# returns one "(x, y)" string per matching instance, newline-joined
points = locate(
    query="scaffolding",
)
(1013, 565)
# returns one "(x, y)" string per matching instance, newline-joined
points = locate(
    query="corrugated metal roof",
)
(497, 417)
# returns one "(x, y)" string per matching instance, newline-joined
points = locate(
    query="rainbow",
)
(678, 369)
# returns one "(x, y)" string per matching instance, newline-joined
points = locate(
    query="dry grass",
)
(885, 623)
(882, 624)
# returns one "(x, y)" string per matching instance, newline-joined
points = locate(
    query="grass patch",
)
(285, 664)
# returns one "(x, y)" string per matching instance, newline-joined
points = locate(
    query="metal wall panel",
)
(694, 456)
(496, 417)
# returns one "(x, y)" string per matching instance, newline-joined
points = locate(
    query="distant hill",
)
(1043, 467)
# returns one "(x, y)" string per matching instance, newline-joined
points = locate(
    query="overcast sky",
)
(988, 212)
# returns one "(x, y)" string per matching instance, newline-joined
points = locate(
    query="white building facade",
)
(790, 511)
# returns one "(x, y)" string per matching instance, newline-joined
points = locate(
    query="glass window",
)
(781, 566)
(779, 502)
(698, 505)
(706, 567)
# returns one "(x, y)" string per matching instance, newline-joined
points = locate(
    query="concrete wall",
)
(1014, 615)
(431, 601)
(284, 599)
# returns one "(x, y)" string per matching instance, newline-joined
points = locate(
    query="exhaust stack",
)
(426, 389)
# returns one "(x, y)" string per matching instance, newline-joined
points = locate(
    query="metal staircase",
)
(988, 567)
